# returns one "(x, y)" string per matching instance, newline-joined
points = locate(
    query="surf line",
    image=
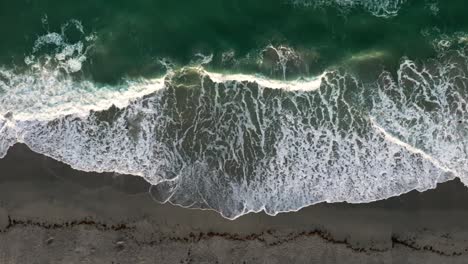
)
(102, 98)
(411, 148)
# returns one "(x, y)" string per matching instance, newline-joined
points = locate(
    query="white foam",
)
(228, 145)
(47, 89)
(308, 145)
(380, 8)
(427, 108)
(45, 95)
(7, 136)
(302, 84)
(305, 146)
(412, 149)
(300, 158)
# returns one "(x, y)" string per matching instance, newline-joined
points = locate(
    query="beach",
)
(50, 213)
(249, 131)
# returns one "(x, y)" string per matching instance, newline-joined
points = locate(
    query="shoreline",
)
(68, 215)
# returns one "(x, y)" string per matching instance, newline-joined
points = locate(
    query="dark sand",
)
(50, 213)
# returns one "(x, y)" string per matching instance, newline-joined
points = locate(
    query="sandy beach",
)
(50, 213)
(118, 119)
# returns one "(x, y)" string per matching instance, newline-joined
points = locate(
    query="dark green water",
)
(133, 35)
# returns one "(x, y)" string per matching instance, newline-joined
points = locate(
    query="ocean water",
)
(242, 106)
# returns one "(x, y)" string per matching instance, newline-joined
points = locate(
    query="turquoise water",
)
(242, 106)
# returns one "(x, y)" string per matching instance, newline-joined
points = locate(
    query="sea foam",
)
(245, 143)
(380, 8)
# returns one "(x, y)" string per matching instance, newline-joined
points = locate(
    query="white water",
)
(311, 84)
(380, 8)
(232, 144)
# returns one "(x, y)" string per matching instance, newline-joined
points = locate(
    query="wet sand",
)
(50, 213)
